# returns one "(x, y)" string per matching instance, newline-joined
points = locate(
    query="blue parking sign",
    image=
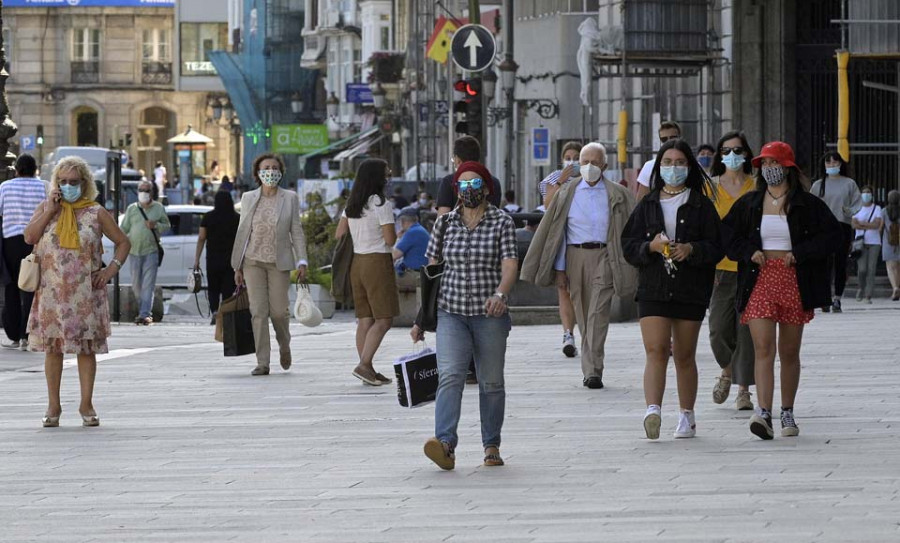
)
(26, 143)
(540, 146)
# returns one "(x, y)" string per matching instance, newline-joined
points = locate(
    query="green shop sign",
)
(299, 138)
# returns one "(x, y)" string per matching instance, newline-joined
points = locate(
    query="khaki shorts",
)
(374, 286)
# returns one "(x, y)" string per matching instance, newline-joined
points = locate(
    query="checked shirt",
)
(471, 259)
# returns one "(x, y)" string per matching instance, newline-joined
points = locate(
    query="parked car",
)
(94, 156)
(130, 181)
(179, 243)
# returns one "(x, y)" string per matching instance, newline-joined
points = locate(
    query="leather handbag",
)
(30, 273)
(160, 253)
(430, 282)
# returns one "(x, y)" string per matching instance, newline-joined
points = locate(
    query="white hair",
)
(595, 146)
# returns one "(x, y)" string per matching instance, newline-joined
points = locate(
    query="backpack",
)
(894, 234)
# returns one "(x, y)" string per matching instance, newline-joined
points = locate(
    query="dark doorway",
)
(86, 128)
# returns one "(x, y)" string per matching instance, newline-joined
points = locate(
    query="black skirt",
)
(672, 310)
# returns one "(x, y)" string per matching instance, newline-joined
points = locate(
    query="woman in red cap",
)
(781, 238)
(477, 243)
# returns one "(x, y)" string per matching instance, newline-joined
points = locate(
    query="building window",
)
(197, 40)
(156, 45)
(86, 44)
(385, 38)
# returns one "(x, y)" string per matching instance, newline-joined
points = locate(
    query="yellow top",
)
(723, 203)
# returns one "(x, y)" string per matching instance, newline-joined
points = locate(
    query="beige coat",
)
(290, 244)
(538, 267)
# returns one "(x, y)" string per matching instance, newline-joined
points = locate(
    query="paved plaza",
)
(192, 448)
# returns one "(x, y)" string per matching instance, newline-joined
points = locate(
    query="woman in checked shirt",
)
(477, 243)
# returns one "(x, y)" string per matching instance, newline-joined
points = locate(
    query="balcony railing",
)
(85, 71)
(156, 73)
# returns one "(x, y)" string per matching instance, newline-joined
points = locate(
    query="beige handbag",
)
(30, 273)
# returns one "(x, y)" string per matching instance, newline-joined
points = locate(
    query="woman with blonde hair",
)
(70, 314)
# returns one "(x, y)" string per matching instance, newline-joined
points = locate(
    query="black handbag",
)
(859, 242)
(430, 282)
(160, 253)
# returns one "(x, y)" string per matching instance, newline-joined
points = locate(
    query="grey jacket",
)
(290, 243)
(538, 267)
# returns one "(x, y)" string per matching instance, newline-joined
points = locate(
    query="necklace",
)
(673, 193)
(470, 224)
(774, 198)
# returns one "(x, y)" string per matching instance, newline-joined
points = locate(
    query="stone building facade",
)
(94, 75)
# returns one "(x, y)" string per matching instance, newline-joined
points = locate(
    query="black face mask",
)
(471, 197)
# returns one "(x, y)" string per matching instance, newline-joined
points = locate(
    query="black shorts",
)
(672, 310)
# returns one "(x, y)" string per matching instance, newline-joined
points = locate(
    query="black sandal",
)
(492, 458)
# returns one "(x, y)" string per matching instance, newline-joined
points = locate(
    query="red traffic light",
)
(469, 88)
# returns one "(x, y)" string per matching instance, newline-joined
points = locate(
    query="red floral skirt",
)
(776, 296)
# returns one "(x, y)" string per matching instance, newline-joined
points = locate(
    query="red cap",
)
(777, 150)
(477, 167)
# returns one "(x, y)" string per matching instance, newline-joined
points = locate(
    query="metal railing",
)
(85, 71)
(156, 73)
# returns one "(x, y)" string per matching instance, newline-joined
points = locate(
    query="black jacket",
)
(698, 224)
(814, 232)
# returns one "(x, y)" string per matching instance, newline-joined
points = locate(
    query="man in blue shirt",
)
(409, 251)
(19, 198)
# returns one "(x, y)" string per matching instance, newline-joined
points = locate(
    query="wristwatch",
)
(501, 296)
(117, 262)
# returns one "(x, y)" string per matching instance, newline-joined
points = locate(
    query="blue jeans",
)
(143, 280)
(458, 339)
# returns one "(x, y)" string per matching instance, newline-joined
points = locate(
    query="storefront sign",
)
(88, 3)
(359, 93)
(299, 138)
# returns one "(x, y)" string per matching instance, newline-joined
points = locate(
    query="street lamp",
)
(297, 103)
(227, 111)
(331, 106)
(378, 96)
(489, 84)
(216, 108)
(508, 70)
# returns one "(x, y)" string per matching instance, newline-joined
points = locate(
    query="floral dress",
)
(68, 314)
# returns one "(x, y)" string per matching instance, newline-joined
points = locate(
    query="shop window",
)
(197, 40)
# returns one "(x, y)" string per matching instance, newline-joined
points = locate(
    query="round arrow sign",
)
(473, 48)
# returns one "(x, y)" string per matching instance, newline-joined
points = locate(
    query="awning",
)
(339, 143)
(192, 136)
(359, 148)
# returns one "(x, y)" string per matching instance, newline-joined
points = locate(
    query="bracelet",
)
(501, 296)
(117, 262)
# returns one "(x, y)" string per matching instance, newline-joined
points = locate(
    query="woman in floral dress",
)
(71, 313)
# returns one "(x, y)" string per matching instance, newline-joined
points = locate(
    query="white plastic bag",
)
(305, 309)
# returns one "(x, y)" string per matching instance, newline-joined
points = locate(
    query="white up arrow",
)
(473, 43)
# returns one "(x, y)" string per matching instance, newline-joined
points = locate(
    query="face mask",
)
(590, 173)
(833, 171)
(867, 197)
(774, 175)
(143, 197)
(269, 178)
(423, 202)
(70, 193)
(471, 197)
(733, 161)
(705, 161)
(573, 163)
(674, 176)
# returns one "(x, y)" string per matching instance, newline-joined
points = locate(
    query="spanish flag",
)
(438, 47)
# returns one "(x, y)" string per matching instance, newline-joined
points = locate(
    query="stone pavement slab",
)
(191, 448)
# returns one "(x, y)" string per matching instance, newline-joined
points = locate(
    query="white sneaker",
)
(687, 427)
(9, 344)
(652, 422)
(23, 345)
(568, 347)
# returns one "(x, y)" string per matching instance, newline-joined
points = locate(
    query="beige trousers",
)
(591, 290)
(268, 291)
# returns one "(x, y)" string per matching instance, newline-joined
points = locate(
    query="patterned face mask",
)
(472, 197)
(774, 175)
(269, 178)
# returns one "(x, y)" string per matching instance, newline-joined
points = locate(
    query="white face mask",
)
(591, 173)
(143, 197)
(269, 178)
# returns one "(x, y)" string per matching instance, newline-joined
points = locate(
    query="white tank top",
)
(775, 234)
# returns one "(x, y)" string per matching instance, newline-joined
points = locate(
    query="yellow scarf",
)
(67, 226)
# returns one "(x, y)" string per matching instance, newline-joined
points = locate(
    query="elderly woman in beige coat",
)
(269, 245)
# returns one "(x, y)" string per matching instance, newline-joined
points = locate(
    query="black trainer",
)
(836, 306)
(761, 426)
(593, 382)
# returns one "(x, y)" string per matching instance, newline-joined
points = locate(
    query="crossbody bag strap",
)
(152, 230)
(443, 236)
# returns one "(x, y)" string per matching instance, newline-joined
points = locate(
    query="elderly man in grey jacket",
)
(579, 244)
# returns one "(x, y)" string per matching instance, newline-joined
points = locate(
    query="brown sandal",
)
(492, 457)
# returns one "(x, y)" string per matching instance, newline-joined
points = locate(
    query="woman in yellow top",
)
(730, 340)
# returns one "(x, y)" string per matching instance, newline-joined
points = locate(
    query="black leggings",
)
(221, 284)
(842, 259)
(17, 303)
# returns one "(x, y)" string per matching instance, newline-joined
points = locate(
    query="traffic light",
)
(469, 107)
(40, 135)
(127, 139)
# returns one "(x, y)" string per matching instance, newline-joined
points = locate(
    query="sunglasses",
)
(737, 150)
(664, 139)
(466, 184)
(143, 190)
(69, 181)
